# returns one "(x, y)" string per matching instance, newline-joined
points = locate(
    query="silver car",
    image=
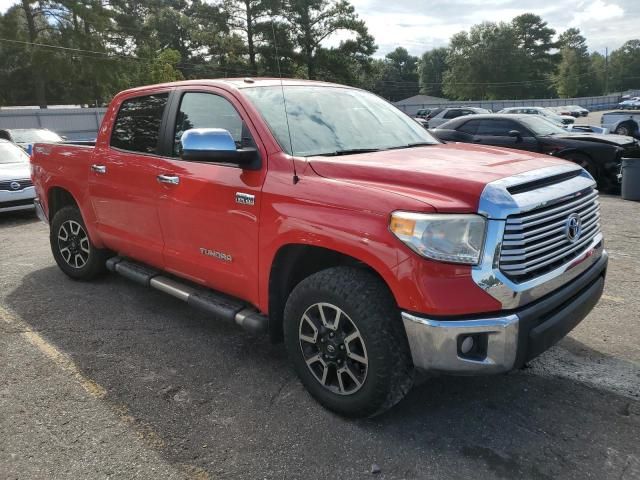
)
(16, 189)
(544, 112)
(440, 115)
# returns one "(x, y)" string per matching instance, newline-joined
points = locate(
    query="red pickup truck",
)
(325, 217)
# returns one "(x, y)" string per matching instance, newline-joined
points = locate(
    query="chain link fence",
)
(605, 102)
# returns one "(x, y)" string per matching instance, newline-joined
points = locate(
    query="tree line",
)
(84, 51)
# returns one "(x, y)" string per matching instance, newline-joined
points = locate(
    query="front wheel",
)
(606, 184)
(345, 338)
(72, 248)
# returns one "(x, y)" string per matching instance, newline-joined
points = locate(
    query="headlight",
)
(448, 238)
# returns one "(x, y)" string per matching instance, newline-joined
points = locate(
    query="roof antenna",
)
(296, 179)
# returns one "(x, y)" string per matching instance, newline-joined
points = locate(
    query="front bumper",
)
(40, 211)
(507, 341)
(11, 201)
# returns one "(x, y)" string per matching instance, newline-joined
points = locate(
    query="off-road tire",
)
(371, 308)
(94, 264)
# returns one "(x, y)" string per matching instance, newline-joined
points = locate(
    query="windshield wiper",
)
(411, 145)
(349, 151)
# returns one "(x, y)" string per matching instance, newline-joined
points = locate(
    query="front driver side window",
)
(207, 110)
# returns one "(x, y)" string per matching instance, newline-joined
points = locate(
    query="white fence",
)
(73, 123)
(605, 102)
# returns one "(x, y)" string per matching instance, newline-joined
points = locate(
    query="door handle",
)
(98, 168)
(170, 179)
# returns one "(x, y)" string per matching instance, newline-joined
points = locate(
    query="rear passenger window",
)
(137, 126)
(452, 114)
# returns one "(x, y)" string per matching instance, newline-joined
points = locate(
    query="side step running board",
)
(219, 305)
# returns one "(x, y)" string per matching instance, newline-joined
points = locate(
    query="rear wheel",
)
(345, 339)
(72, 248)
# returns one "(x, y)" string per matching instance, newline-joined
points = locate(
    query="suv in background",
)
(545, 112)
(441, 115)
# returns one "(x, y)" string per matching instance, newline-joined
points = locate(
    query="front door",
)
(496, 132)
(209, 212)
(123, 184)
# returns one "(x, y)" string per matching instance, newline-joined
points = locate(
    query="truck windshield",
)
(334, 120)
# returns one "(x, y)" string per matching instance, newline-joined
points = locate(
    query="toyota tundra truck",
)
(323, 216)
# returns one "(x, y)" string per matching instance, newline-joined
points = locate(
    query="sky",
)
(420, 25)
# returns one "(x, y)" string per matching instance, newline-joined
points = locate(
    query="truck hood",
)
(449, 177)
(14, 171)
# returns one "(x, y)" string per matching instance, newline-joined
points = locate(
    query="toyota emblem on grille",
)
(573, 227)
(14, 186)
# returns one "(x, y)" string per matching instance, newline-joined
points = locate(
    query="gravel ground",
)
(108, 379)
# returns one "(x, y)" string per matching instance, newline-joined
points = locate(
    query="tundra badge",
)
(225, 257)
(245, 198)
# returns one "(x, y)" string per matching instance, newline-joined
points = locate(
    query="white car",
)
(561, 120)
(16, 189)
(622, 123)
(631, 103)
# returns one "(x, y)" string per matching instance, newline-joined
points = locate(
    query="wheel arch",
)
(293, 263)
(58, 197)
(631, 122)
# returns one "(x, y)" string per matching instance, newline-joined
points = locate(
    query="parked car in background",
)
(632, 103)
(622, 122)
(570, 110)
(600, 155)
(26, 137)
(16, 189)
(423, 112)
(442, 115)
(423, 122)
(542, 111)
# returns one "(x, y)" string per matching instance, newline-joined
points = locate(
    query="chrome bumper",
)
(508, 341)
(434, 344)
(40, 211)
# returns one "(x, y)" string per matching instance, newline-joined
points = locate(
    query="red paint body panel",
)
(339, 203)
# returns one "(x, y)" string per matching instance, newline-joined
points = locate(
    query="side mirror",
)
(216, 145)
(516, 134)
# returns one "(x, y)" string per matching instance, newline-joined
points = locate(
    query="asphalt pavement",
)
(111, 380)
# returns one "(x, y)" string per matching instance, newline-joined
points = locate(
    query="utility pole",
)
(606, 70)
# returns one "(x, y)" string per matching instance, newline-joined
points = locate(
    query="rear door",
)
(123, 184)
(210, 215)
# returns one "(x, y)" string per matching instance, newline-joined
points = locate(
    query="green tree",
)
(535, 39)
(577, 64)
(567, 80)
(431, 68)
(625, 66)
(313, 21)
(484, 63)
(252, 18)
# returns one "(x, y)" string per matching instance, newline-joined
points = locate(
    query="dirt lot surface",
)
(108, 379)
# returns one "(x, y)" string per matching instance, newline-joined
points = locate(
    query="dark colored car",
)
(600, 155)
(423, 112)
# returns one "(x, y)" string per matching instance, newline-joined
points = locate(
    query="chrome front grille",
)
(536, 242)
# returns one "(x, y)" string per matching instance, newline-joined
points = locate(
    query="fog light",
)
(467, 345)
